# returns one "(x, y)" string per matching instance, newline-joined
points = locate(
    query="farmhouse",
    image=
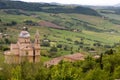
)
(24, 49)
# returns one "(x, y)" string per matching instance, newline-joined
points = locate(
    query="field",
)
(80, 32)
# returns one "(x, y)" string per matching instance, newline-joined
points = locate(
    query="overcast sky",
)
(82, 2)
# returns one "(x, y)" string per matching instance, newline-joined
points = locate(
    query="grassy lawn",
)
(44, 59)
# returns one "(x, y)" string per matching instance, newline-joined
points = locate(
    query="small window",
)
(26, 53)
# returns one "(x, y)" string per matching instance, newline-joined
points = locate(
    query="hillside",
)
(45, 7)
(70, 33)
(81, 43)
(79, 31)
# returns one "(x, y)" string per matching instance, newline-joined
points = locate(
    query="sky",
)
(82, 2)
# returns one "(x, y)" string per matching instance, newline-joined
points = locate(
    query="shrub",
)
(59, 46)
(45, 43)
(53, 49)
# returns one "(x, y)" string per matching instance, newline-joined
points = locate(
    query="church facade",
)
(24, 49)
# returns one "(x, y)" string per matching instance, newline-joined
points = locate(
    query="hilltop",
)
(45, 7)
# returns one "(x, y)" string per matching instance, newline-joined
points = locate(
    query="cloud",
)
(83, 2)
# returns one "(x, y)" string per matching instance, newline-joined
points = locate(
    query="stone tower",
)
(36, 47)
(24, 49)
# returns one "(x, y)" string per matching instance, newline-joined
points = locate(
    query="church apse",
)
(24, 49)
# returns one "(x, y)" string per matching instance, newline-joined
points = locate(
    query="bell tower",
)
(36, 51)
(37, 36)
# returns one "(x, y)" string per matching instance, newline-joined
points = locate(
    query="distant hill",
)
(117, 5)
(116, 9)
(45, 7)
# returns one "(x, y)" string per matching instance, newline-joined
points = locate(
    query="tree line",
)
(107, 67)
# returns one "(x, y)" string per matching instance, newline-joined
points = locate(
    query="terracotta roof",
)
(9, 53)
(74, 57)
(54, 61)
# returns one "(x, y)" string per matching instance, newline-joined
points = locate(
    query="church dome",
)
(24, 34)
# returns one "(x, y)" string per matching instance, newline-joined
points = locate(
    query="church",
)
(24, 49)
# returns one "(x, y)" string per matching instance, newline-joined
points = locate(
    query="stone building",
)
(24, 49)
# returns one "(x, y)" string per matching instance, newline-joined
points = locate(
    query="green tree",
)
(97, 74)
(16, 73)
(0, 20)
(53, 49)
(88, 64)
(117, 73)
